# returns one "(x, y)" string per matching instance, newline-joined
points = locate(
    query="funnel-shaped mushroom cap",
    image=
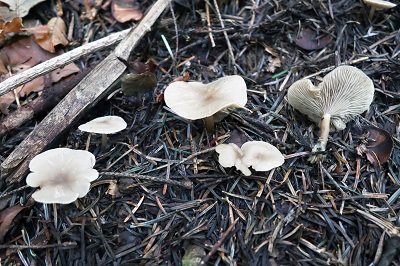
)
(343, 93)
(261, 155)
(62, 174)
(195, 100)
(231, 155)
(104, 125)
(379, 4)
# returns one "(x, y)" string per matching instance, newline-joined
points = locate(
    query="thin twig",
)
(185, 184)
(228, 43)
(60, 245)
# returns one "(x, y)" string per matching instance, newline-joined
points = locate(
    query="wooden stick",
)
(60, 61)
(86, 94)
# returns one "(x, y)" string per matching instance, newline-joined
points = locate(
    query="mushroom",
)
(195, 100)
(378, 5)
(104, 125)
(231, 155)
(260, 155)
(62, 174)
(343, 93)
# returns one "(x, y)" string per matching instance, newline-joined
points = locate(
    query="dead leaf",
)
(6, 14)
(378, 147)
(22, 55)
(237, 138)
(126, 10)
(6, 219)
(7, 27)
(113, 190)
(63, 72)
(21, 7)
(50, 35)
(273, 64)
(134, 84)
(309, 40)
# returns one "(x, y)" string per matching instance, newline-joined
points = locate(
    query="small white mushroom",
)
(343, 94)
(104, 125)
(378, 5)
(62, 174)
(231, 155)
(260, 155)
(195, 100)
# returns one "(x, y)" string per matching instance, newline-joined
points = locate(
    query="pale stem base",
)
(323, 139)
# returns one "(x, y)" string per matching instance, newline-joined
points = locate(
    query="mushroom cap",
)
(379, 4)
(195, 100)
(104, 125)
(231, 155)
(62, 174)
(261, 155)
(343, 93)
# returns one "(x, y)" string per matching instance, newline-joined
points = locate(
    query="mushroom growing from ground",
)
(62, 174)
(343, 93)
(378, 5)
(104, 125)
(195, 100)
(260, 155)
(231, 155)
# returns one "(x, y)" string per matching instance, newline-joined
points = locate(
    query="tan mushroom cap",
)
(261, 155)
(104, 125)
(195, 100)
(343, 93)
(62, 174)
(231, 155)
(379, 4)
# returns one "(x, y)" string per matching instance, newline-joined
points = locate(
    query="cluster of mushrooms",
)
(343, 94)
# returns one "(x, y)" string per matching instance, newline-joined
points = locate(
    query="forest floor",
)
(342, 211)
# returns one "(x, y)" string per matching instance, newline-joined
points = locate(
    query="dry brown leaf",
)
(6, 219)
(126, 10)
(378, 147)
(50, 35)
(63, 72)
(14, 25)
(21, 7)
(309, 40)
(22, 55)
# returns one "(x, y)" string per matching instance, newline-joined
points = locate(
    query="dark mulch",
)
(343, 211)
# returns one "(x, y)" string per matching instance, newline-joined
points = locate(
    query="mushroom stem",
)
(323, 139)
(209, 123)
(371, 13)
(324, 134)
(104, 140)
(88, 141)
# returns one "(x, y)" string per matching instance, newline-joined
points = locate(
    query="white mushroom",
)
(260, 155)
(195, 100)
(378, 5)
(104, 125)
(343, 93)
(62, 174)
(231, 155)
